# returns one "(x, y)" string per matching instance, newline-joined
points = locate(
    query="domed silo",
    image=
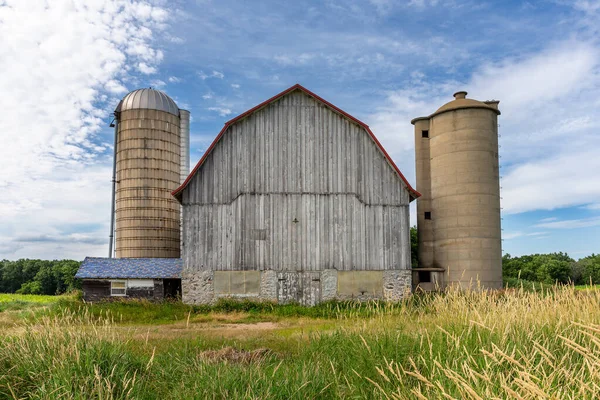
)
(463, 220)
(151, 160)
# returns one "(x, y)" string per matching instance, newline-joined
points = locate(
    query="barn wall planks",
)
(295, 187)
(258, 232)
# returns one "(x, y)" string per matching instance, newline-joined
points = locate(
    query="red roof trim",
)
(177, 191)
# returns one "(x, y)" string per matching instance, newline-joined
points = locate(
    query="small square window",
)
(424, 276)
(427, 214)
(425, 134)
(118, 288)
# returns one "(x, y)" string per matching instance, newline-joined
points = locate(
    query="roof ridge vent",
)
(460, 95)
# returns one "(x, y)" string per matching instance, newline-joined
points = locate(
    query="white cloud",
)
(223, 112)
(294, 59)
(548, 219)
(146, 69)
(157, 83)
(530, 84)
(63, 69)
(215, 74)
(115, 87)
(207, 96)
(174, 79)
(512, 235)
(550, 124)
(422, 3)
(571, 223)
(235, 85)
(553, 182)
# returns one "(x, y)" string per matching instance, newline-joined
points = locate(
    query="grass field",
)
(510, 344)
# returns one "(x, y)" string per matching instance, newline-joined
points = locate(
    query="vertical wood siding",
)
(296, 160)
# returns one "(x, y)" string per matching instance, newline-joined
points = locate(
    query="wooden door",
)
(299, 287)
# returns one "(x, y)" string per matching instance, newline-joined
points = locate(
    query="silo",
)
(464, 188)
(149, 149)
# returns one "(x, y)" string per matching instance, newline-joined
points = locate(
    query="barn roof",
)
(106, 268)
(413, 193)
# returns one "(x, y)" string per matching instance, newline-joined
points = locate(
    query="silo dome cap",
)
(149, 99)
(461, 102)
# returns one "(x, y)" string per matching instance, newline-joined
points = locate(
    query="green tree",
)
(414, 247)
(38, 276)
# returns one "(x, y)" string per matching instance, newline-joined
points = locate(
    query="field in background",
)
(509, 344)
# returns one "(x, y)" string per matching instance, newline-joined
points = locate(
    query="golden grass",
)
(456, 345)
(543, 347)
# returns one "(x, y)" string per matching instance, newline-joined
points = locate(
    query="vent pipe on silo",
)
(114, 182)
(184, 131)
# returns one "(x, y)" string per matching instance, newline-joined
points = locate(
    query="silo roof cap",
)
(150, 99)
(461, 102)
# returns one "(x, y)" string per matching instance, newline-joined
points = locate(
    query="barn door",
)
(299, 287)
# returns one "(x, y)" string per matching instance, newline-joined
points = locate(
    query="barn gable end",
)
(296, 190)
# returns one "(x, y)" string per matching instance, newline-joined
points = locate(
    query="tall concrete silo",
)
(151, 160)
(458, 177)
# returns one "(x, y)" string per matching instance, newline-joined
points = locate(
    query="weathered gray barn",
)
(295, 200)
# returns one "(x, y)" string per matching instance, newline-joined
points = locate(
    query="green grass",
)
(587, 287)
(467, 345)
(16, 302)
(28, 298)
(146, 312)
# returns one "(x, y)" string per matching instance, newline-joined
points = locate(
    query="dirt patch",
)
(256, 326)
(229, 354)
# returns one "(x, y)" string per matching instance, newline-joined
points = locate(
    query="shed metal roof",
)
(106, 268)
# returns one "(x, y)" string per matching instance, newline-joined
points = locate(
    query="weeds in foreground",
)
(471, 345)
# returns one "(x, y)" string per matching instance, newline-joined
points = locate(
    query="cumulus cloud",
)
(571, 223)
(157, 83)
(549, 124)
(63, 69)
(223, 112)
(214, 74)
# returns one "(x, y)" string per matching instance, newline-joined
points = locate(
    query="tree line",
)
(546, 268)
(38, 276)
(56, 277)
(552, 268)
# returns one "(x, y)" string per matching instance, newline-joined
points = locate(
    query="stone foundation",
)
(397, 284)
(198, 288)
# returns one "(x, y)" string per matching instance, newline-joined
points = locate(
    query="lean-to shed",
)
(295, 201)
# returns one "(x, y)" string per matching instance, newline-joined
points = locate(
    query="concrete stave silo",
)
(458, 175)
(149, 149)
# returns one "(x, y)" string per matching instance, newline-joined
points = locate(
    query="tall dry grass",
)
(462, 345)
(498, 345)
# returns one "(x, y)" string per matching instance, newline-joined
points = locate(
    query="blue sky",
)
(385, 62)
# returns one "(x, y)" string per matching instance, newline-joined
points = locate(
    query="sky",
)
(64, 65)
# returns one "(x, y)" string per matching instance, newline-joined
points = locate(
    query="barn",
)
(295, 201)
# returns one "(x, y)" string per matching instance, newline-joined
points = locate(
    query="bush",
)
(34, 287)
